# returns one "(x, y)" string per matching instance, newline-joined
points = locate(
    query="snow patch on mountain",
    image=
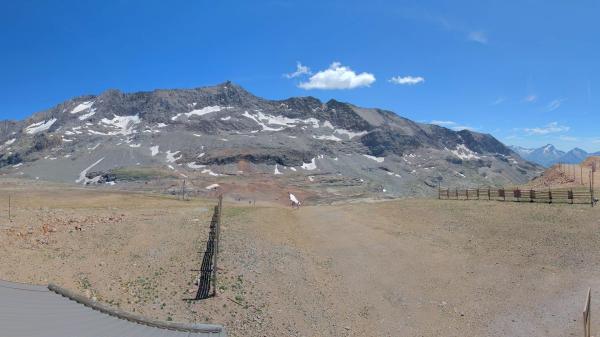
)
(171, 156)
(464, 153)
(40, 127)
(377, 159)
(350, 134)
(310, 166)
(123, 125)
(200, 112)
(83, 175)
(82, 107)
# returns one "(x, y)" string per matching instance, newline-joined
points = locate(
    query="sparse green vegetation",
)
(139, 173)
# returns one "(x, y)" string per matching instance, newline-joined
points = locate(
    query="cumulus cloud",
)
(300, 70)
(553, 127)
(478, 36)
(407, 80)
(555, 104)
(338, 76)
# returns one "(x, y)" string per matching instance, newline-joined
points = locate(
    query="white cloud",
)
(499, 100)
(568, 138)
(300, 70)
(553, 127)
(453, 125)
(408, 80)
(555, 104)
(463, 127)
(478, 36)
(443, 123)
(530, 98)
(338, 76)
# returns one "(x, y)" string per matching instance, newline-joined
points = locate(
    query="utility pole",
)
(592, 183)
(183, 190)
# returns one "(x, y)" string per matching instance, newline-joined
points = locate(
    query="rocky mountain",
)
(223, 134)
(549, 155)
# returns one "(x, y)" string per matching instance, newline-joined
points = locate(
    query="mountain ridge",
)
(554, 155)
(214, 131)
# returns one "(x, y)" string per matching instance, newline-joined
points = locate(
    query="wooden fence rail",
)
(207, 278)
(567, 196)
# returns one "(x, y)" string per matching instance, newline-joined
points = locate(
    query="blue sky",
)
(525, 71)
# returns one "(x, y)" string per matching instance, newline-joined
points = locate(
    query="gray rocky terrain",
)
(225, 132)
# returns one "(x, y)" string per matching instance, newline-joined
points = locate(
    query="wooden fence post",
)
(570, 196)
(549, 196)
(467, 193)
(219, 210)
(489, 193)
(587, 332)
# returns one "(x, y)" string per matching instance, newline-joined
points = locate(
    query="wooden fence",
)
(207, 278)
(567, 196)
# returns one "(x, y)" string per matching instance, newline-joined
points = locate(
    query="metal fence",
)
(565, 195)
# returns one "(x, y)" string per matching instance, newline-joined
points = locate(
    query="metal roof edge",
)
(185, 327)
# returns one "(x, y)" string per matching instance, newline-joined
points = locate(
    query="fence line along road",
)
(564, 195)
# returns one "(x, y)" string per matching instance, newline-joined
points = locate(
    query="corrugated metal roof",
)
(36, 311)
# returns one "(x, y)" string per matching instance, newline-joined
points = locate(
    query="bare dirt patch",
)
(396, 268)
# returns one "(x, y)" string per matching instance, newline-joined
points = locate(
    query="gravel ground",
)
(412, 267)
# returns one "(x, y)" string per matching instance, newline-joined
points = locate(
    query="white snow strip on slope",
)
(39, 127)
(332, 137)
(265, 120)
(123, 124)
(82, 175)
(294, 199)
(377, 159)
(210, 187)
(210, 172)
(87, 115)
(10, 141)
(327, 124)
(83, 106)
(171, 156)
(195, 166)
(464, 153)
(276, 172)
(226, 118)
(200, 112)
(350, 134)
(310, 166)
(154, 150)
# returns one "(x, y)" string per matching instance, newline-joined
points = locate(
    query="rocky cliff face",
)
(225, 131)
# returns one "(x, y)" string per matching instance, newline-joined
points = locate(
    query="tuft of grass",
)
(139, 173)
